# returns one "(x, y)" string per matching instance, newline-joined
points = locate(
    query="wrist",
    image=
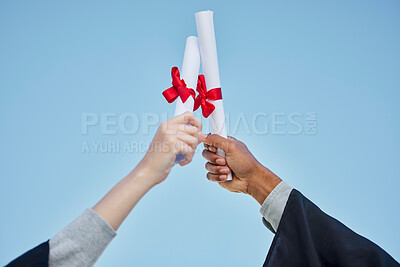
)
(262, 184)
(141, 174)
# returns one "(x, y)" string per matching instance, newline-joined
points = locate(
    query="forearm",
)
(82, 241)
(116, 205)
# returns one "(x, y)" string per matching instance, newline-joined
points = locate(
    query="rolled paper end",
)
(204, 13)
(179, 158)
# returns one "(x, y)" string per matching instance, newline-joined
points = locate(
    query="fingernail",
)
(222, 177)
(224, 170)
(220, 161)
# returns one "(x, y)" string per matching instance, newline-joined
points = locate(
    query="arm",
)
(82, 242)
(173, 137)
(305, 236)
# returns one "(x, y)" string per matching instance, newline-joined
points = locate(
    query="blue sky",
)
(59, 60)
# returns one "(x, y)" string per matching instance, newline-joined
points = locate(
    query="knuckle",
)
(191, 129)
(194, 142)
(183, 150)
(171, 141)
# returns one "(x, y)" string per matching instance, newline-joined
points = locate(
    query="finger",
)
(188, 139)
(187, 118)
(217, 169)
(188, 129)
(183, 148)
(185, 162)
(173, 129)
(213, 158)
(212, 149)
(202, 137)
(218, 141)
(216, 177)
(205, 145)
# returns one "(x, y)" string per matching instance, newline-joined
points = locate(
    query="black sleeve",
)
(306, 236)
(36, 257)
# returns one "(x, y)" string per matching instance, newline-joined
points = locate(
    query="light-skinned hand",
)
(178, 135)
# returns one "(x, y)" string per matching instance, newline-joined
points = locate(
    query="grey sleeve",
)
(274, 205)
(81, 242)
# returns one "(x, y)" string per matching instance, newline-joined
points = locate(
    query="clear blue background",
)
(59, 59)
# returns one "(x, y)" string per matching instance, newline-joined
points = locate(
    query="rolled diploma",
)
(209, 60)
(189, 73)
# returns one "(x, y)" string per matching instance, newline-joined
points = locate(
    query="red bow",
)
(201, 100)
(178, 88)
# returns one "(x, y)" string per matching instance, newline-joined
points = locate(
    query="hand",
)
(249, 175)
(178, 135)
(173, 137)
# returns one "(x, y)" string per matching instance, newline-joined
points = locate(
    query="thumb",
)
(217, 141)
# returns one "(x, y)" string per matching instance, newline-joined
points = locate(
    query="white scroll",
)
(209, 60)
(189, 73)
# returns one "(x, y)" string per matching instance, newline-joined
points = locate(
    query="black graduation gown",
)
(36, 257)
(306, 236)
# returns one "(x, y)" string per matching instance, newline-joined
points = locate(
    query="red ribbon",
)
(178, 88)
(201, 100)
